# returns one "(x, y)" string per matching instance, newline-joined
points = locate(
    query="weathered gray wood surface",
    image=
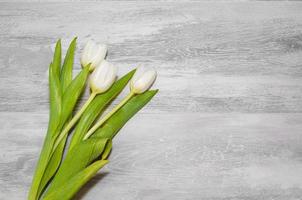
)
(227, 123)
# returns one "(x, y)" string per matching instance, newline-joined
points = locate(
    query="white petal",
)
(103, 77)
(138, 73)
(98, 55)
(143, 81)
(86, 55)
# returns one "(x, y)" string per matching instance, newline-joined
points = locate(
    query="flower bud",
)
(142, 80)
(103, 77)
(93, 54)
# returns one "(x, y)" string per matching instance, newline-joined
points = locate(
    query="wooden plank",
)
(211, 57)
(174, 156)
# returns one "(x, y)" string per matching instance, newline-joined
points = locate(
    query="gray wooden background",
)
(227, 123)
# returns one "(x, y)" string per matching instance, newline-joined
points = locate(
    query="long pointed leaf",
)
(77, 159)
(96, 107)
(73, 93)
(52, 165)
(57, 59)
(54, 120)
(55, 100)
(67, 190)
(65, 79)
(70, 98)
(119, 119)
(66, 71)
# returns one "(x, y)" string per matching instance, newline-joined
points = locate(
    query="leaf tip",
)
(132, 71)
(58, 44)
(74, 40)
(154, 91)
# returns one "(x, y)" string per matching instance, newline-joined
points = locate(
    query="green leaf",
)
(73, 93)
(55, 100)
(36, 187)
(109, 129)
(67, 190)
(96, 107)
(57, 59)
(52, 165)
(66, 78)
(107, 150)
(70, 98)
(119, 119)
(77, 159)
(54, 120)
(66, 71)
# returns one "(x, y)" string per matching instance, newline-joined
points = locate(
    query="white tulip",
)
(93, 54)
(103, 77)
(142, 80)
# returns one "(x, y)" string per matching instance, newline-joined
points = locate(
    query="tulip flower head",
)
(142, 80)
(93, 54)
(103, 77)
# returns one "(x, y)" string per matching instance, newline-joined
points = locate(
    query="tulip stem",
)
(73, 121)
(108, 115)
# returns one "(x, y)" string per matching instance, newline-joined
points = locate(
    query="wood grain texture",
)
(227, 121)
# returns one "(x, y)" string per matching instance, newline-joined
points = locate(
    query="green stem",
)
(73, 121)
(107, 116)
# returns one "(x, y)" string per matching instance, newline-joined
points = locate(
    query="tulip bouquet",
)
(58, 178)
